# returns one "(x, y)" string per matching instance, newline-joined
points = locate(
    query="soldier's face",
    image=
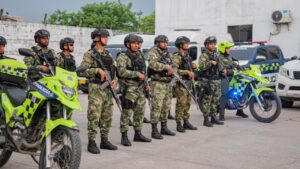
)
(69, 47)
(227, 51)
(163, 45)
(44, 41)
(211, 46)
(134, 46)
(2, 49)
(185, 46)
(104, 40)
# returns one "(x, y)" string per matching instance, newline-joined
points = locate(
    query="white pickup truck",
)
(288, 82)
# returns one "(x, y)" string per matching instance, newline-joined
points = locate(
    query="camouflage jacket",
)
(179, 63)
(126, 74)
(154, 57)
(33, 61)
(90, 67)
(66, 62)
(228, 63)
(205, 68)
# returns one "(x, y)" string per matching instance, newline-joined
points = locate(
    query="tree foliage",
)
(110, 15)
(147, 23)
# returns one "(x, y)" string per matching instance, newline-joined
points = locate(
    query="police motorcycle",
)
(35, 116)
(244, 91)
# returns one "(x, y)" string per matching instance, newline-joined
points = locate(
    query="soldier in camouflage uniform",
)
(161, 74)
(131, 69)
(65, 59)
(183, 63)
(41, 51)
(2, 47)
(100, 97)
(230, 67)
(210, 67)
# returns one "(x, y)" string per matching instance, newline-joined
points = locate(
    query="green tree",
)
(110, 15)
(147, 24)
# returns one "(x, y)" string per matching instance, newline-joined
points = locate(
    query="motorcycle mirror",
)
(193, 52)
(25, 52)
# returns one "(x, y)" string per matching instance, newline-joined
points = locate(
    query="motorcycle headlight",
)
(68, 91)
(284, 72)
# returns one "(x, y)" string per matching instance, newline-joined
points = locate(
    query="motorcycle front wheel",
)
(271, 107)
(65, 150)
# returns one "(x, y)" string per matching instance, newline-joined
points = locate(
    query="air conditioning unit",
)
(281, 16)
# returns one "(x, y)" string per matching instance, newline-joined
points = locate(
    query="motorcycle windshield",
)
(68, 78)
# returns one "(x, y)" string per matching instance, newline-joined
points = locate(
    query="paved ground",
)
(239, 144)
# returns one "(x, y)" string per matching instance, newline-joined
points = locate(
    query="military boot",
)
(155, 134)
(124, 140)
(92, 147)
(179, 127)
(214, 120)
(207, 122)
(145, 120)
(170, 117)
(139, 137)
(165, 131)
(241, 113)
(187, 125)
(221, 115)
(105, 144)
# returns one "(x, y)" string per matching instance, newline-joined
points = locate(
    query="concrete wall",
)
(214, 16)
(20, 35)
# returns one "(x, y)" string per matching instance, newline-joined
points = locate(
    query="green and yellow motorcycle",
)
(35, 115)
(247, 89)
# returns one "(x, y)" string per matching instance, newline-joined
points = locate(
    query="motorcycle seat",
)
(16, 95)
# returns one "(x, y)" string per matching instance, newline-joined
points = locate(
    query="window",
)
(241, 33)
(274, 53)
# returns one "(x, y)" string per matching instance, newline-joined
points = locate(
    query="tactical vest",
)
(69, 62)
(108, 62)
(41, 55)
(213, 71)
(138, 63)
(165, 59)
(186, 64)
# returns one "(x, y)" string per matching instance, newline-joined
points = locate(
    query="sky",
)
(34, 10)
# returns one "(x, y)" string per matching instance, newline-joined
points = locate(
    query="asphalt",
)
(239, 144)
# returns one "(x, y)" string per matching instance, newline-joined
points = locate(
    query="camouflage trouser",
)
(183, 103)
(161, 101)
(99, 111)
(133, 102)
(210, 101)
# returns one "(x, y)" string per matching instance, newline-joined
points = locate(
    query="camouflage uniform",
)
(66, 62)
(183, 101)
(209, 76)
(100, 100)
(161, 87)
(133, 95)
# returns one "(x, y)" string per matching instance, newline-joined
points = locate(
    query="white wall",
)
(20, 35)
(211, 16)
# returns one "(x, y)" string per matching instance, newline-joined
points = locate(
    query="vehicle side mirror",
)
(193, 52)
(25, 52)
(294, 58)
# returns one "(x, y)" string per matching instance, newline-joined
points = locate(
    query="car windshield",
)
(242, 53)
